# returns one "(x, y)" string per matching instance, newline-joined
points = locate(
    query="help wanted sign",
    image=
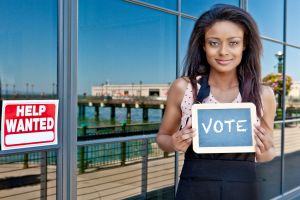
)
(28, 123)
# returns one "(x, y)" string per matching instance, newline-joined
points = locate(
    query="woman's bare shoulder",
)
(268, 99)
(267, 92)
(180, 83)
(178, 88)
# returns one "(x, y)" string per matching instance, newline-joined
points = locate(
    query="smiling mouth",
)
(223, 62)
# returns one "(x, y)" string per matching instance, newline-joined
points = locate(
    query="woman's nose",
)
(223, 49)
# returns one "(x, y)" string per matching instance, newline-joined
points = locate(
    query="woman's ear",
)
(203, 48)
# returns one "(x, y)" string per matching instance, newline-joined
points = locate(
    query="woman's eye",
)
(214, 44)
(234, 43)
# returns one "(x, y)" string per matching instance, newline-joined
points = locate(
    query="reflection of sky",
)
(196, 7)
(126, 44)
(28, 44)
(118, 42)
(268, 16)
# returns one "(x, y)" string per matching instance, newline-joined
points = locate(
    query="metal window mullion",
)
(283, 100)
(243, 4)
(152, 6)
(59, 159)
(67, 94)
(178, 64)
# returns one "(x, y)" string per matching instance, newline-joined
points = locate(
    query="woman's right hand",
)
(182, 139)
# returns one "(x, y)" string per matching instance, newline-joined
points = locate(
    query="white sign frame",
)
(227, 149)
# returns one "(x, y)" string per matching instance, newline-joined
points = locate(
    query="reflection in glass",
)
(169, 4)
(268, 15)
(127, 60)
(292, 139)
(28, 176)
(197, 7)
(268, 174)
(28, 50)
(187, 26)
(115, 170)
(293, 23)
(292, 155)
(28, 70)
(270, 61)
(293, 70)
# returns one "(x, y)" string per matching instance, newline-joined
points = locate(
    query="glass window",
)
(271, 63)
(115, 171)
(293, 70)
(197, 7)
(292, 156)
(187, 26)
(26, 176)
(268, 15)
(270, 59)
(292, 139)
(127, 60)
(292, 30)
(28, 50)
(127, 54)
(268, 174)
(170, 4)
(28, 70)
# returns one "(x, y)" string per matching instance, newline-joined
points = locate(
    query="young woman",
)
(222, 66)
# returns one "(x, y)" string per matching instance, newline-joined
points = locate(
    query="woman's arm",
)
(169, 137)
(265, 150)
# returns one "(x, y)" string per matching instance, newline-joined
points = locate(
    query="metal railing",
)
(145, 163)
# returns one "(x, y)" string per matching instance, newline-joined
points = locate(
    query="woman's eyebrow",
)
(212, 38)
(215, 38)
(236, 37)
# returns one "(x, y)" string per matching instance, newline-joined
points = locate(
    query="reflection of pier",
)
(128, 103)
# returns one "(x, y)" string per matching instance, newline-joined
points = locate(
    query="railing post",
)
(144, 168)
(44, 174)
(176, 174)
(25, 163)
(166, 154)
(123, 147)
(82, 153)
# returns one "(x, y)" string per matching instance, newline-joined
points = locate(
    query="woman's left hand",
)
(264, 140)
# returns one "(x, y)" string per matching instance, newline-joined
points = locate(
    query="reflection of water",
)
(121, 116)
(111, 153)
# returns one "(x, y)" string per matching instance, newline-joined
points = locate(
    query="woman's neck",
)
(223, 81)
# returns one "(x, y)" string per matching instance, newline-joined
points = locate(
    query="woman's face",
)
(224, 45)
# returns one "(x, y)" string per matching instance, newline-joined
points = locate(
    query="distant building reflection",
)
(125, 90)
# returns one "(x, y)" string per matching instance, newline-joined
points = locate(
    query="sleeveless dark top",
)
(204, 92)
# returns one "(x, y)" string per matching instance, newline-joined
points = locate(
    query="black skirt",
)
(217, 180)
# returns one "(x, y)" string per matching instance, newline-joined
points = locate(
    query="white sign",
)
(28, 123)
(224, 127)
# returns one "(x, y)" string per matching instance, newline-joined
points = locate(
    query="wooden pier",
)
(130, 103)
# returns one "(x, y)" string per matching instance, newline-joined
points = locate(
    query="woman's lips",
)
(223, 61)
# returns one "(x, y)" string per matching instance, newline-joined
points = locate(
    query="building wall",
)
(144, 90)
(295, 90)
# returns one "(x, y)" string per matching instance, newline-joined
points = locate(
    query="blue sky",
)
(119, 42)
